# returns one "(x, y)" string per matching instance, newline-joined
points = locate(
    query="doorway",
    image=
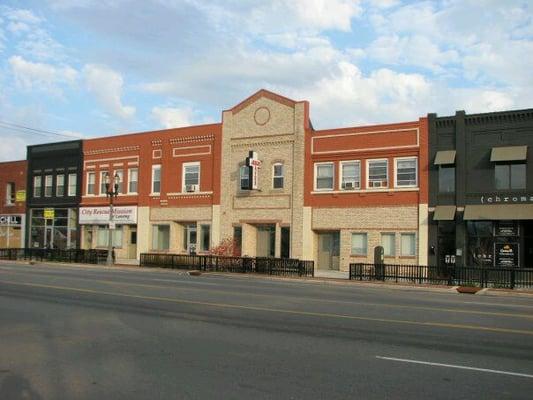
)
(189, 239)
(329, 251)
(132, 250)
(266, 241)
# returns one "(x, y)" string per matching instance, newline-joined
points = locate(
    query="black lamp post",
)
(111, 189)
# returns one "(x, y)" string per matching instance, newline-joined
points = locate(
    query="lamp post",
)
(111, 189)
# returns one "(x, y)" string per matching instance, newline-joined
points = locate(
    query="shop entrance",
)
(266, 241)
(132, 250)
(329, 250)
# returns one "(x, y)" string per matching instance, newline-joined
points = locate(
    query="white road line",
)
(492, 371)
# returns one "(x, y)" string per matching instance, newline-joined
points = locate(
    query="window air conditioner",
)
(349, 185)
(191, 188)
(377, 184)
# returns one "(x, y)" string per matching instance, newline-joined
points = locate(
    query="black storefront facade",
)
(53, 195)
(481, 189)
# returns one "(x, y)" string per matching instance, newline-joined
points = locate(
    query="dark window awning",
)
(498, 212)
(445, 157)
(444, 213)
(508, 153)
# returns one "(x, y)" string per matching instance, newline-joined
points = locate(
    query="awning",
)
(444, 213)
(445, 157)
(498, 212)
(509, 153)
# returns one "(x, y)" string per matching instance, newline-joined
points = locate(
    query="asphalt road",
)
(94, 333)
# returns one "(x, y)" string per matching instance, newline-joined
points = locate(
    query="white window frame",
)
(58, 186)
(154, 168)
(154, 238)
(10, 193)
(69, 193)
(40, 185)
(413, 234)
(341, 174)
(120, 173)
(130, 181)
(415, 158)
(49, 179)
(366, 244)
(282, 176)
(89, 182)
(101, 183)
(190, 164)
(316, 165)
(367, 178)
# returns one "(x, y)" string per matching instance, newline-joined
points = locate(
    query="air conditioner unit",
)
(377, 184)
(349, 185)
(191, 188)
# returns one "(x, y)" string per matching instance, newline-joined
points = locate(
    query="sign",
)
(10, 219)
(49, 213)
(506, 198)
(112, 225)
(507, 228)
(506, 254)
(125, 215)
(254, 164)
(20, 195)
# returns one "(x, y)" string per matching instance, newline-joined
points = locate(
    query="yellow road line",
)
(281, 311)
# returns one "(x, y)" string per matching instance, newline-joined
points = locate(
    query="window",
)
(510, 176)
(60, 185)
(244, 174)
(72, 182)
(277, 176)
(446, 179)
(133, 177)
(350, 175)
(408, 244)
(102, 236)
(37, 186)
(91, 181)
(103, 189)
(324, 176)
(406, 169)
(120, 174)
(359, 244)
(285, 242)
(156, 179)
(378, 174)
(48, 186)
(160, 237)
(191, 177)
(388, 243)
(10, 193)
(205, 238)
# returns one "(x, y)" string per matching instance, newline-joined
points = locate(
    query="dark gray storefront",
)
(53, 195)
(481, 189)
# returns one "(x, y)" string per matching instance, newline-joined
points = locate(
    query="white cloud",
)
(31, 75)
(107, 86)
(173, 117)
(326, 14)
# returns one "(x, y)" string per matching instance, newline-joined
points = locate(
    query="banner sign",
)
(506, 254)
(20, 195)
(49, 213)
(125, 215)
(10, 219)
(254, 164)
(507, 228)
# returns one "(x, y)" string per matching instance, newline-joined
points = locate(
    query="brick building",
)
(13, 203)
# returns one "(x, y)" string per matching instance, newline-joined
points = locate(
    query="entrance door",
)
(190, 239)
(132, 251)
(266, 241)
(329, 250)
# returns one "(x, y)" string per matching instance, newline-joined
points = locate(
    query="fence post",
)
(512, 278)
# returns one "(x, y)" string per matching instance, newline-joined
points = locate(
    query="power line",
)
(41, 132)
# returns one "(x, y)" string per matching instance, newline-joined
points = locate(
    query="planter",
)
(468, 289)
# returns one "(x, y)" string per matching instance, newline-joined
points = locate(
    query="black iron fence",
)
(260, 265)
(70, 255)
(454, 275)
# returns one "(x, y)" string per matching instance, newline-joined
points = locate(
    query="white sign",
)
(254, 164)
(125, 215)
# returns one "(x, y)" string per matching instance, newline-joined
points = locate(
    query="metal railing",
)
(209, 263)
(70, 255)
(454, 275)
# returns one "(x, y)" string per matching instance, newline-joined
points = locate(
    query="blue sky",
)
(87, 68)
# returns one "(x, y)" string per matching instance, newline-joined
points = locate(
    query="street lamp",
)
(111, 191)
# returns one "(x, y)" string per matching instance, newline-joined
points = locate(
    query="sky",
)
(92, 68)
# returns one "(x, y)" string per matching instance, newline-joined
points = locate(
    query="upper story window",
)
(244, 177)
(103, 189)
(72, 184)
(133, 177)
(406, 172)
(156, 179)
(446, 178)
(277, 176)
(350, 175)
(324, 176)
(91, 183)
(60, 185)
(191, 177)
(48, 186)
(510, 176)
(120, 174)
(10, 193)
(378, 174)
(37, 186)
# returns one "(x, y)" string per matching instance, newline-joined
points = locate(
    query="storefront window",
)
(480, 243)
(206, 237)
(102, 236)
(388, 243)
(237, 240)
(160, 237)
(408, 244)
(359, 244)
(285, 241)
